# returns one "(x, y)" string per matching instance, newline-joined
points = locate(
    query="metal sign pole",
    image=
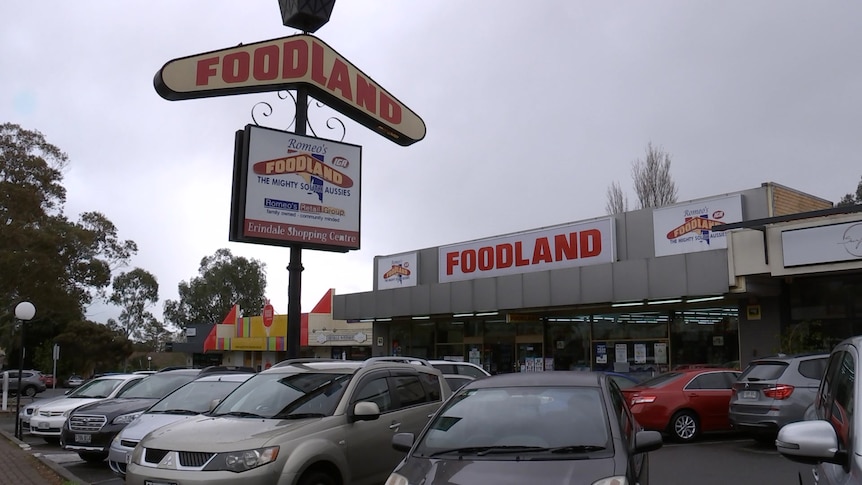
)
(294, 267)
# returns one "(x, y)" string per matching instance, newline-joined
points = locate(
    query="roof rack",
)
(304, 360)
(403, 360)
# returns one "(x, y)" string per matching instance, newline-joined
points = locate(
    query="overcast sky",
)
(532, 112)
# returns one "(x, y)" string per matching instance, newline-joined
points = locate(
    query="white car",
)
(190, 400)
(452, 367)
(47, 419)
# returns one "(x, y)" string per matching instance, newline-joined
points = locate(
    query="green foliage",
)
(87, 347)
(224, 280)
(803, 337)
(852, 199)
(58, 264)
(134, 292)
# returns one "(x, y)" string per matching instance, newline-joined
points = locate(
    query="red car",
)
(48, 380)
(684, 403)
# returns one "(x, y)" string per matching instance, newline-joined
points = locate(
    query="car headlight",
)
(612, 481)
(126, 418)
(240, 461)
(396, 479)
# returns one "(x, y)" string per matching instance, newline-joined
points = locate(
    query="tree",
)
(852, 199)
(224, 280)
(89, 347)
(653, 183)
(59, 265)
(617, 201)
(134, 292)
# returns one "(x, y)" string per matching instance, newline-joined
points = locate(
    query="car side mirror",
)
(365, 411)
(646, 441)
(402, 441)
(810, 442)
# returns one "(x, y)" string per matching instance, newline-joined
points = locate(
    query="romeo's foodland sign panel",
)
(287, 63)
(293, 190)
(567, 246)
(687, 227)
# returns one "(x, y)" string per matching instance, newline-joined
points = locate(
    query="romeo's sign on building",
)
(287, 63)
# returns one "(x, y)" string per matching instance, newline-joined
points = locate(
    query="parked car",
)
(774, 391)
(31, 382)
(47, 419)
(89, 429)
(48, 380)
(197, 397)
(457, 381)
(449, 367)
(303, 421)
(546, 427)
(74, 380)
(830, 441)
(684, 403)
(27, 411)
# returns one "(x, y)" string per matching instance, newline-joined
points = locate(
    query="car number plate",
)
(82, 438)
(43, 425)
(749, 394)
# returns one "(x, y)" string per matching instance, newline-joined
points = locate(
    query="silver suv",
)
(830, 440)
(301, 422)
(775, 391)
(31, 382)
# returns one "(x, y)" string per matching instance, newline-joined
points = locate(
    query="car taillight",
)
(642, 400)
(781, 391)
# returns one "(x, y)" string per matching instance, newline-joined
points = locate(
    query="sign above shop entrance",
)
(287, 63)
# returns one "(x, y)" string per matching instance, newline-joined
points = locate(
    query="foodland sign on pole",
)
(287, 63)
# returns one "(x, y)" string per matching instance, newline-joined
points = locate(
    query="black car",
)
(563, 427)
(90, 428)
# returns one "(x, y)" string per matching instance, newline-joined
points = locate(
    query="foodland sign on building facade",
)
(566, 246)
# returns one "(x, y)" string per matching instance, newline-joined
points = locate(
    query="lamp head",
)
(25, 311)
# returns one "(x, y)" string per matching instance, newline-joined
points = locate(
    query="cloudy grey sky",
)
(531, 114)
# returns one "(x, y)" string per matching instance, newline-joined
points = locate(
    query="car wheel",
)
(317, 477)
(91, 457)
(684, 426)
(29, 391)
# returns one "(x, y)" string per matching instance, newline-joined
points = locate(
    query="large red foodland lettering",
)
(290, 61)
(574, 245)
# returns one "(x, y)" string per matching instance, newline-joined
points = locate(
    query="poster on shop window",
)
(640, 353)
(622, 352)
(601, 354)
(660, 349)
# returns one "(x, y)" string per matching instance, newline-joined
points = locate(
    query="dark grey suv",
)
(774, 391)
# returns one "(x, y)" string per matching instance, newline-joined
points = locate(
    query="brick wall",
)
(789, 201)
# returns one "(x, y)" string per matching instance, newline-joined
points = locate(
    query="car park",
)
(774, 391)
(48, 418)
(89, 429)
(547, 427)
(300, 422)
(31, 382)
(684, 403)
(830, 439)
(197, 397)
(27, 411)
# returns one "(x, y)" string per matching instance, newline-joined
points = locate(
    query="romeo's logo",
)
(398, 271)
(699, 224)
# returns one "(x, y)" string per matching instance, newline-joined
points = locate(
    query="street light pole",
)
(24, 312)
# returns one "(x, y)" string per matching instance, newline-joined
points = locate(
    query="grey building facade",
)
(642, 292)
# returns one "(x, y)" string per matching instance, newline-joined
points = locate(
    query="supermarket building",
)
(712, 281)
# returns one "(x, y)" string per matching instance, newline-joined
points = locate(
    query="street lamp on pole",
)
(24, 312)
(149, 359)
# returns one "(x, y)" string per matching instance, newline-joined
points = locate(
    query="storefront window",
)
(422, 340)
(708, 336)
(568, 342)
(630, 326)
(450, 332)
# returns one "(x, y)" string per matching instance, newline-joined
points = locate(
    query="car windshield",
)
(494, 421)
(286, 396)
(196, 397)
(97, 388)
(157, 386)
